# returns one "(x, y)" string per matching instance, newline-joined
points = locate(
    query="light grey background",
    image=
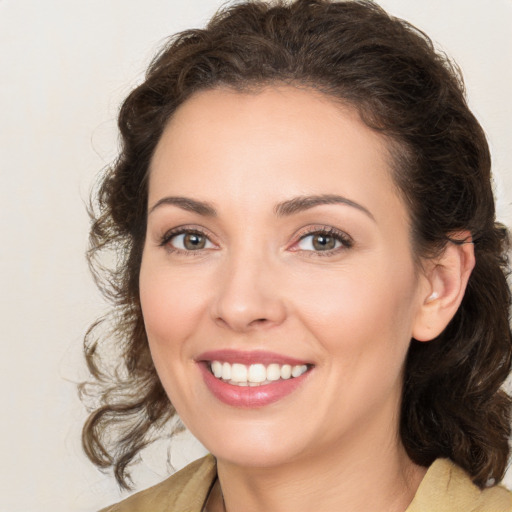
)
(65, 65)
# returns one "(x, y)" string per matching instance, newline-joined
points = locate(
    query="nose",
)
(248, 295)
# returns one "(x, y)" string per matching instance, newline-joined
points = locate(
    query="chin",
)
(254, 455)
(255, 445)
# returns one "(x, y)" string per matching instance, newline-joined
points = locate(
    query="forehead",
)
(275, 142)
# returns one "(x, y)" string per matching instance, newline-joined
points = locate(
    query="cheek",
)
(361, 310)
(172, 303)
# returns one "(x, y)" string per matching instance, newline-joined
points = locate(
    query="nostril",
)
(241, 308)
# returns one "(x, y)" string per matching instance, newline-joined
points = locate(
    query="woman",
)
(309, 271)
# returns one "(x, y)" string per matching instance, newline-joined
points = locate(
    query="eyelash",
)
(346, 242)
(183, 230)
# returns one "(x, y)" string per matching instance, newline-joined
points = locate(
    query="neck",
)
(352, 477)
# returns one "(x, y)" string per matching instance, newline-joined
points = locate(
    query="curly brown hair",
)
(453, 402)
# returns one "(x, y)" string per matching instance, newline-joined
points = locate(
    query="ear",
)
(445, 280)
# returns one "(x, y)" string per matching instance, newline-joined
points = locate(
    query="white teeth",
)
(217, 369)
(298, 370)
(273, 372)
(226, 371)
(238, 373)
(286, 371)
(255, 374)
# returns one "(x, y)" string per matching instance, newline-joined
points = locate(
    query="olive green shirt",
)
(445, 488)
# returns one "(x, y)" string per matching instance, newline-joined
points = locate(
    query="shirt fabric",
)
(445, 488)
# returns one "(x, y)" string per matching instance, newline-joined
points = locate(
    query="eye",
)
(187, 240)
(318, 242)
(324, 240)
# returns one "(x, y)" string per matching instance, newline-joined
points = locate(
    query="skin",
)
(259, 284)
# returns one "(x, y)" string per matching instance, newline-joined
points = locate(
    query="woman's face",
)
(277, 243)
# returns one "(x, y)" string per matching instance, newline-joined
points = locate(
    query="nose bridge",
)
(246, 297)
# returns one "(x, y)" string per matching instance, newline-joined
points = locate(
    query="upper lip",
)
(248, 357)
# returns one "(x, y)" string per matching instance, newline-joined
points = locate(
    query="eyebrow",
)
(185, 203)
(283, 209)
(301, 203)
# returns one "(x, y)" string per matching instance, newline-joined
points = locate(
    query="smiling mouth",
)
(254, 375)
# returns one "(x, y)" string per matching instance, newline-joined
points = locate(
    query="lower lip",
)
(250, 397)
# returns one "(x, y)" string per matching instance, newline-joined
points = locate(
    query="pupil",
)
(193, 241)
(323, 242)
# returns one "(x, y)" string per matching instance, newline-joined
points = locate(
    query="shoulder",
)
(448, 488)
(187, 488)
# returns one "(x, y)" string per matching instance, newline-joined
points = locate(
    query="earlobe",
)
(446, 280)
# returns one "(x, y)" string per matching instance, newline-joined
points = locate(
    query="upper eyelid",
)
(180, 230)
(311, 230)
(347, 242)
